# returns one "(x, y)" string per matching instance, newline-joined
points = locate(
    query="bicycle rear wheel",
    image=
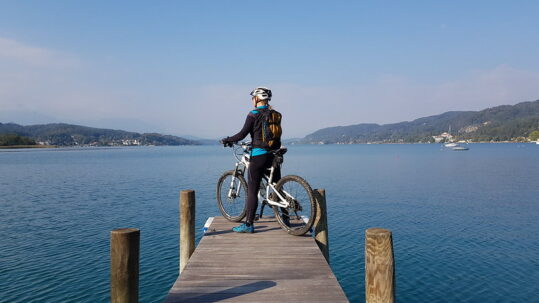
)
(299, 216)
(232, 196)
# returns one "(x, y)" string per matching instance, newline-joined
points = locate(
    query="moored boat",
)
(460, 147)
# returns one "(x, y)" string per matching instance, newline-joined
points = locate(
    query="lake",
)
(465, 224)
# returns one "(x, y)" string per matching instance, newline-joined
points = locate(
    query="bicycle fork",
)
(231, 190)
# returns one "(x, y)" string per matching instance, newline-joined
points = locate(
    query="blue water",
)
(465, 224)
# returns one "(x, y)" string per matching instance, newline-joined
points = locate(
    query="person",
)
(261, 157)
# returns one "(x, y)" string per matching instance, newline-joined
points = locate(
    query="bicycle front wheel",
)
(232, 196)
(299, 216)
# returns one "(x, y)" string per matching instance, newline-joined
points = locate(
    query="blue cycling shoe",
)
(244, 229)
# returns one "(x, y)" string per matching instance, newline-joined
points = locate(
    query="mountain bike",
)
(291, 197)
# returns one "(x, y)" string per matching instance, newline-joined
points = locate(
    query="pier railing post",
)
(379, 266)
(124, 265)
(321, 223)
(187, 226)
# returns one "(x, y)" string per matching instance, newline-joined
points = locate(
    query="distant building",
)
(130, 142)
(443, 137)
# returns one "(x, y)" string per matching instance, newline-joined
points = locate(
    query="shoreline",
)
(404, 143)
(28, 146)
(135, 146)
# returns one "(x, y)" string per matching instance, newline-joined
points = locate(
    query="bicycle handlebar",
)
(231, 144)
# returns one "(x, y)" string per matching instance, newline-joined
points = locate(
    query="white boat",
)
(460, 147)
(450, 143)
(537, 142)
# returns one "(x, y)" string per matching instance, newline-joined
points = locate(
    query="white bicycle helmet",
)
(263, 93)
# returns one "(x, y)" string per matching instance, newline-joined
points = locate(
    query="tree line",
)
(61, 134)
(14, 139)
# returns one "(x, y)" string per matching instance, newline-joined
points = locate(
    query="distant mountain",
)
(501, 123)
(62, 134)
(291, 141)
(199, 140)
(208, 141)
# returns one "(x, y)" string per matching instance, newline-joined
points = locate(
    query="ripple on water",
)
(464, 225)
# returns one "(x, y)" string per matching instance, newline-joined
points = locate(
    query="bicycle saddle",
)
(279, 152)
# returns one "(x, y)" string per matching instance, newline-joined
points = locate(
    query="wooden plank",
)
(267, 266)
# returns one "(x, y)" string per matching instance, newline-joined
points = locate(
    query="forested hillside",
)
(501, 123)
(71, 135)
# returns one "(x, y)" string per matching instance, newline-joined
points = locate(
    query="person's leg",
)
(256, 171)
(276, 172)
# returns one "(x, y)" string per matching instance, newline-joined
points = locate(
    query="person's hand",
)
(226, 142)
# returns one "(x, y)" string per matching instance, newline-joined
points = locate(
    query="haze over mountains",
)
(500, 123)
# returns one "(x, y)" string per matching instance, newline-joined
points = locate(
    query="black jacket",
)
(252, 126)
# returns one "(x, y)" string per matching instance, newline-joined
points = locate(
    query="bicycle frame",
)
(242, 165)
(240, 168)
(270, 185)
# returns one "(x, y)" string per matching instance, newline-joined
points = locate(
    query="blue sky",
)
(187, 67)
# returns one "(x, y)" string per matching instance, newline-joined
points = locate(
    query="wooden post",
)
(321, 223)
(379, 266)
(124, 265)
(187, 226)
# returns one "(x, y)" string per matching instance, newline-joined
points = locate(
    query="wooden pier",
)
(267, 266)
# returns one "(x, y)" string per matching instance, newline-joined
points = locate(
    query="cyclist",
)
(261, 157)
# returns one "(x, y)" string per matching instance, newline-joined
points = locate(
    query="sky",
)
(187, 67)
